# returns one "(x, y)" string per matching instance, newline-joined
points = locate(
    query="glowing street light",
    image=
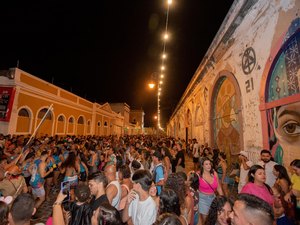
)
(151, 85)
(166, 36)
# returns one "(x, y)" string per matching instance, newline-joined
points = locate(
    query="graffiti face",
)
(287, 127)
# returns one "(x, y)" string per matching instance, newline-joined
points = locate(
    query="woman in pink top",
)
(256, 184)
(208, 185)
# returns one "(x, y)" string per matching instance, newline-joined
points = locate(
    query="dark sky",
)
(106, 50)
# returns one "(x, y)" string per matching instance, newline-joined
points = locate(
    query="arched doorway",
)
(227, 117)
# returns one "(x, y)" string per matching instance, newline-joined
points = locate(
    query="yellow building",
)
(24, 100)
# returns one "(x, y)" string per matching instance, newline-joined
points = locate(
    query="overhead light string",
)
(162, 69)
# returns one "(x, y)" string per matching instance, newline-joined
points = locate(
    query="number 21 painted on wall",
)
(249, 85)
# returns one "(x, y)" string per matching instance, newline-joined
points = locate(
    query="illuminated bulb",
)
(162, 76)
(160, 82)
(151, 85)
(164, 56)
(166, 36)
(159, 89)
(162, 68)
(169, 2)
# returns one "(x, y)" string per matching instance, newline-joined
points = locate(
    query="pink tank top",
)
(204, 187)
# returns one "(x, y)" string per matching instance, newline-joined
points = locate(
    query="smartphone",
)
(65, 188)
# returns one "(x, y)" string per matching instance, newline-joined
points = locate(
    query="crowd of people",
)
(141, 180)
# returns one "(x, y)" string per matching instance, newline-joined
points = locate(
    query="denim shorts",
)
(205, 202)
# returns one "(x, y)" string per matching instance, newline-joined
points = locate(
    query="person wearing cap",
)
(244, 168)
(14, 183)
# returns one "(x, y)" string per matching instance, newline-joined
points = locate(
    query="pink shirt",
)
(204, 187)
(259, 191)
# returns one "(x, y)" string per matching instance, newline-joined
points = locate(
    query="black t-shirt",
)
(95, 203)
(80, 214)
(179, 155)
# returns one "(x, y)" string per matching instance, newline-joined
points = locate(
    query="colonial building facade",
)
(25, 99)
(245, 94)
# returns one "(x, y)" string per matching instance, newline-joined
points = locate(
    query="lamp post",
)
(156, 82)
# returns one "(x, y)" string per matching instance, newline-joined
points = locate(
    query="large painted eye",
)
(291, 128)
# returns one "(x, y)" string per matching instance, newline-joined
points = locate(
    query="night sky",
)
(106, 51)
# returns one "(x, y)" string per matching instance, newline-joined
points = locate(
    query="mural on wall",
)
(227, 126)
(283, 96)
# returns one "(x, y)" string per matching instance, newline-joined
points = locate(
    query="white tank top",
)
(116, 200)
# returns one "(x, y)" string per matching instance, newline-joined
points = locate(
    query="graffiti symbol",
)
(248, 61)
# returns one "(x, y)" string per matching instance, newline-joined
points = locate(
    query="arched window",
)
(99, 124)
(42, 113)
(71, 120)
(23, 112)
(61, 119)
(80, 120)
(24, 121)
(105, 123)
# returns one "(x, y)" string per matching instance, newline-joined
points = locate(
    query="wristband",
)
(56, 203)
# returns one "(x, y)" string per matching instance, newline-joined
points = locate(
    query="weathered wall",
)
(229, 101)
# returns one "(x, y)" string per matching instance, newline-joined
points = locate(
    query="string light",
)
(163, 57)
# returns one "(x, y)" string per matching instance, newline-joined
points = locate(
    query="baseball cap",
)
(244, 153)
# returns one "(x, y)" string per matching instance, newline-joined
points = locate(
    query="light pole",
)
(156, 81)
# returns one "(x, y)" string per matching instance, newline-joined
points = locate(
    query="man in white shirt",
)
(268, 164)
(244, 168)
(140, 206)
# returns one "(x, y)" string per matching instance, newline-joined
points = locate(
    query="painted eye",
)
(291, 128)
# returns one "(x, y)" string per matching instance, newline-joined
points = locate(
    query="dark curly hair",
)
(168, 219)
(169, 202)
(282, 173)
(109, 215)
(215, 208)
(177, 183)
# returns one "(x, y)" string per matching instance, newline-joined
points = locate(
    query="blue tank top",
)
(36, 180)
(56, 159)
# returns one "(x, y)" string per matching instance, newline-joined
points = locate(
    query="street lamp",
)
(156, 80)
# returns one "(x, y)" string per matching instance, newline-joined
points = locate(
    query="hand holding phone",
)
(65, 189)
